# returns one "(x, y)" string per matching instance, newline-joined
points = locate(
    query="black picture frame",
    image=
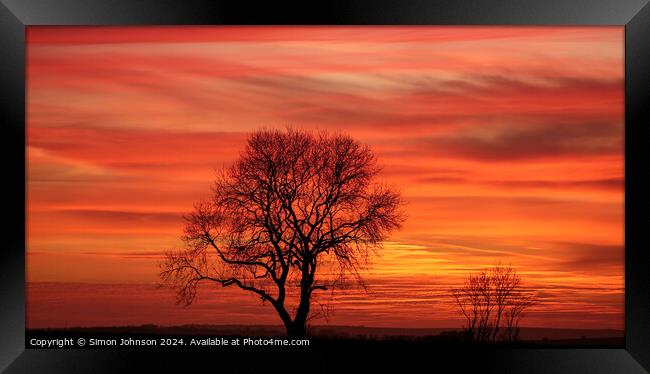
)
(15, 15)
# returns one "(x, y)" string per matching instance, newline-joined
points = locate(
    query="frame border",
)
(15, 15)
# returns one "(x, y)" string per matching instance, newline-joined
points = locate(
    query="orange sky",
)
(506, 143)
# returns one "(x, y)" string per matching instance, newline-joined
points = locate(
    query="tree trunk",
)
(498, 322)
(299, 325)
(296, 330)
(289, 325)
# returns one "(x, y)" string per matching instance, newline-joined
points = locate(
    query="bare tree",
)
(491, 299)
(518, 304)
(505, 285)
(297, 211)
(470, 300)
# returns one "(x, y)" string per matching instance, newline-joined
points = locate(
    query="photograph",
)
(316, 187)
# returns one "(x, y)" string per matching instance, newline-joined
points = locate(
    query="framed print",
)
(260, 187)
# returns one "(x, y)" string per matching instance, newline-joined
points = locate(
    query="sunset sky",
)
(505, 142)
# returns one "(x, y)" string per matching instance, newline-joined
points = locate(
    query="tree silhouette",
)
(493, 302)
(297, 211)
